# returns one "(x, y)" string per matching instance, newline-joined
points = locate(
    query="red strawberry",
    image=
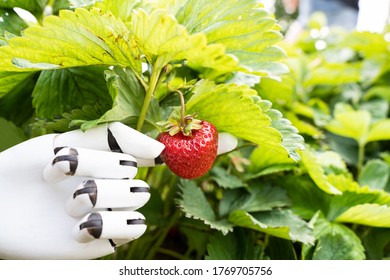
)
(190, 156)
(190, 145)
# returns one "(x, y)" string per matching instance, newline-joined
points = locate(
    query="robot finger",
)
(89, 163)
(94, 195)
(226, 143)
(110, 225)
(115, 137)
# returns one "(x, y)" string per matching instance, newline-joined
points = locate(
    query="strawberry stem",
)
(183, 107)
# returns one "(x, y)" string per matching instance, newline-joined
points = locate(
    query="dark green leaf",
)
(254, 198)
(280, 249)
(234, 246)
(336, 242)
(16, 89)
(10, 22)
(33, 6)
(194, 204)
(375, 241)
(197, 239)
(86, 117)
(11, 135)
(59, 91)
(128, 97)
(375, 174)
(307, 198)
(224, 179)
(278, 222)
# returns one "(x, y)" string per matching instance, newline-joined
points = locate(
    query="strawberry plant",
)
(310, 176)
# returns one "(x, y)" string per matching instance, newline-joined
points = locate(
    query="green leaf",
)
(375, 242)
(10, 22)
(291, 140)
(378, 91)
(375, 174)
(374, 215)
(279, 223)
(307, 199)
(256, 197)
(195, 205)
(162, 40)
(280, 249)
(351, 124)
(353, 195)
(231, 108)
(264, 161)
(83, 118)
(378, 109)
(332, 163)
(128, 97)
(122, 9)
(233, 246)
(16, 89)
(366, 43)
(10, 82)
(248, 32)
(317, 173)
(12, 135)
(224, 179)
(380, 130)
(79, 38)
(333, 74)
(59, 91)
(33, 6)
(336, 242)
(345, 182)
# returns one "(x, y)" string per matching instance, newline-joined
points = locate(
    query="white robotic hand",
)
(73, 196)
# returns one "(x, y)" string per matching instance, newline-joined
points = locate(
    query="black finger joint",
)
(94, 225)
(112, 143)
(72, 158)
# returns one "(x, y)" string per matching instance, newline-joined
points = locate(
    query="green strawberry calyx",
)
(180, 122)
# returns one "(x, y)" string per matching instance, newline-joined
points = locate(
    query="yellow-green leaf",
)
(351, 124)
(231, 108)
(379, 131)
(244, 28)
(78, 38)
(317, 173)
(162, 40)
(374, 215)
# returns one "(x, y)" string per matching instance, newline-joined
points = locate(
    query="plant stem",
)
(163, 235)
(360, 158)
(148, 97)
(172, 254)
